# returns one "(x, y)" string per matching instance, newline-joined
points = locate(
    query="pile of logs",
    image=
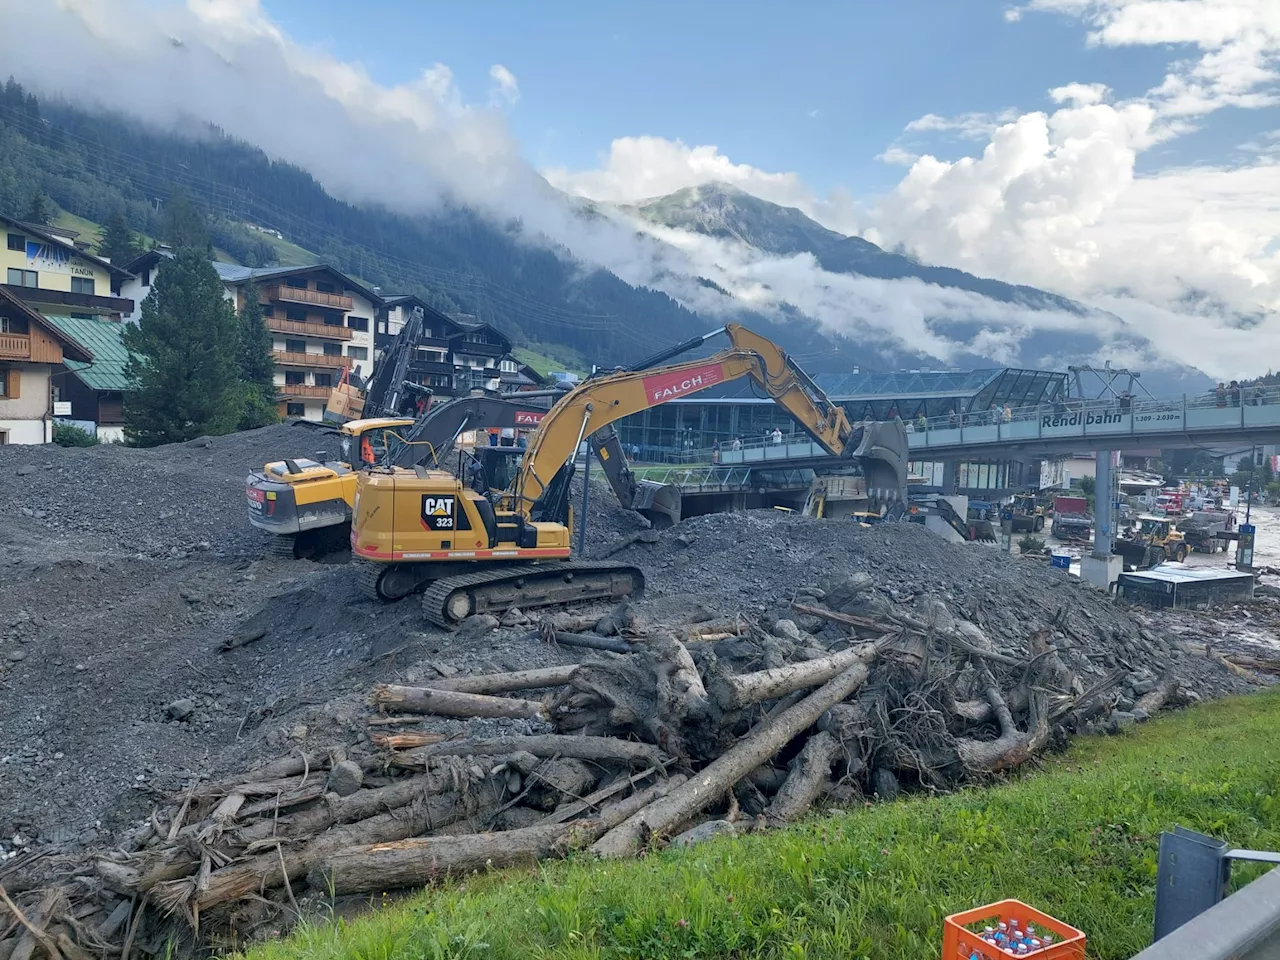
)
(660, 729)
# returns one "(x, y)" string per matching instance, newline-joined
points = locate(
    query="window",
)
(10, 383)
(298, 283)
(357, 353)
(82, 285)
(295, 410)
(324, 380)
(146, 277)
(358, 323)
(297, 316)
(333, 349)
(382, 326)
(14, 325)
(268, 310)
(17, 242)
(83, 316)
(322, 287)
(293, 378)
(22, 278)
(295, 346)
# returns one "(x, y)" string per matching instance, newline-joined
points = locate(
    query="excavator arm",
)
(541, 489)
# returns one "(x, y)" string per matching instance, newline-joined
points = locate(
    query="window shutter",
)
(13, 384)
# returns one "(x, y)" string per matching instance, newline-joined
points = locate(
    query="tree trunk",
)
(446, 703)
(810, 772)
(1153, 702)
(734, 692)
(603, 749)
(592, 642)
(712, 782)
(506, 682)
(422, 860)
(1013, 748)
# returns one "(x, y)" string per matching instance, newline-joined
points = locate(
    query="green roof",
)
(105, 338)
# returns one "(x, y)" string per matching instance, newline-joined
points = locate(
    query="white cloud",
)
(969, 126)
(896, 154)
(505, 87)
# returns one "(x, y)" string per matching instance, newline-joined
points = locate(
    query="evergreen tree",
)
(183, 357)
(182, 225)
(257, 368)
(39, 209)
(117, 243)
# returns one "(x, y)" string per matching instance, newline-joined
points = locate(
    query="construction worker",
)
(367, 458)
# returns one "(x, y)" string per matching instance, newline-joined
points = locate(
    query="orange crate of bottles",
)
(960, 943)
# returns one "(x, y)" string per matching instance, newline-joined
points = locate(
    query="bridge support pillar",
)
(1102, 568)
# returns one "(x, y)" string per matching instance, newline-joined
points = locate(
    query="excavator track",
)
(450, 600)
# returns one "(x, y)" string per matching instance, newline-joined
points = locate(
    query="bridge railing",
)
(1064, 420)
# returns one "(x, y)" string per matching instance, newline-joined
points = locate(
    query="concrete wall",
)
(26, 419)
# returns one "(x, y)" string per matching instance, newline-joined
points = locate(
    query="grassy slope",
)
(1077, 840)
(565, 359)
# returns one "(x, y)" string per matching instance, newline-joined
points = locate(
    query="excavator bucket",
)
(659, 503)
(883, 455)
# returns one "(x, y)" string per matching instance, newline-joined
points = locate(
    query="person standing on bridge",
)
(777, 436)
(1007, 414)
(953, 420)
(1235, 393)
(737, 443)
(1220, 395)
(922, 422)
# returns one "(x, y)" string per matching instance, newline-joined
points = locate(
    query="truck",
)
(1028, 515)
(1201, 529)
(1154, 540)
(1071, 519)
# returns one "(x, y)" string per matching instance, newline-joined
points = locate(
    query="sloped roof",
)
(72, 348)
(49, 237)
(234, 273)
(106, 339)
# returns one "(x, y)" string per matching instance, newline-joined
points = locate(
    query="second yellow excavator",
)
(421, 528)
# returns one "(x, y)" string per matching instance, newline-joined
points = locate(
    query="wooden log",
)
(557, 780)
(446, 703)
(424, 860)
(602, 749)
(1155, 700)
(570, 811)
(734, 692)
(591, 642)
(506, 682)
(406, 741)
(277, 769)
(809, 773)
(1013, 747)
(270, 869)
(718, 776)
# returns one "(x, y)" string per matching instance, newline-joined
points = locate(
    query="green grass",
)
(88, 230)
(563, 360)
(290, 254)
(1076, 839)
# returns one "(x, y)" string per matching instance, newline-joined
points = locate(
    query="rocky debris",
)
(181, 709)
(345, 778)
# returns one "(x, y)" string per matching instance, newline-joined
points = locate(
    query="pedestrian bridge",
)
(1068, 427)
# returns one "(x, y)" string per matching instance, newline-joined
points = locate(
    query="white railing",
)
(1065, 420)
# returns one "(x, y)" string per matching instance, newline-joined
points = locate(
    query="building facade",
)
(322, 327)
(46, 270)
(455, 355)
(31, 350)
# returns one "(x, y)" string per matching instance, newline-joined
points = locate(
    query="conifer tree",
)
(257, 367)
(118, 243)
(39, 209)
(183, 357)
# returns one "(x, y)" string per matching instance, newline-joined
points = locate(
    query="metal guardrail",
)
(1059, 421)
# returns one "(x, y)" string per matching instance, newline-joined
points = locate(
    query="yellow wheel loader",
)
(426, 530)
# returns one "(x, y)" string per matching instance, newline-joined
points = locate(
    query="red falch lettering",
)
(667, 386)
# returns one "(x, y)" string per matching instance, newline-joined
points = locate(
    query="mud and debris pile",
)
(199, 740)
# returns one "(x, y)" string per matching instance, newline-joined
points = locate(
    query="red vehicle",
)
(1071, 519)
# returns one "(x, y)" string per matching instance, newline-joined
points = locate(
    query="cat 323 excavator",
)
(425, 530)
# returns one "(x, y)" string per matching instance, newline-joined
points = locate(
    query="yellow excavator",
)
(426, 530)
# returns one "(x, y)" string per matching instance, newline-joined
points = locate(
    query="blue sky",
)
(743, 76)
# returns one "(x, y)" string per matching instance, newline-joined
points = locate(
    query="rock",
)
(345, 778)
(299, 732)
(16, 656)
(477, 626)
(1140, 715)
(684, 541)
(884, 784)
(787, 630)
(26, 470)
(1143, 687)
(513, 618)
(1125, 704)
(181, 709)
(1120, 720)
(621, 617)
(703, 832)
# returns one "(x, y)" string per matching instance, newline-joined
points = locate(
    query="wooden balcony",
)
(283, 293)
(300, 391)
(286, 359)
(15, 346)
(330, 330)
